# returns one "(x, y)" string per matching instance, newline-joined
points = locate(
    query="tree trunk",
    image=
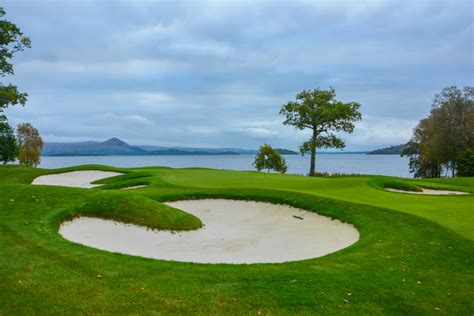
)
(312, 167)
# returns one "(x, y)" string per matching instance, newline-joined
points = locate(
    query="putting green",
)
(402, 264)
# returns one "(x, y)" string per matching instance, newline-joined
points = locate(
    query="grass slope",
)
(403, 264)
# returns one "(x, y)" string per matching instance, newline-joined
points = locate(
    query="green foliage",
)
(268, 158)
(8, 146)
(319, 111)
(30, 145)
(11, 42)
(422, 163)
(448, 131)
(331, 141)
(465, 163)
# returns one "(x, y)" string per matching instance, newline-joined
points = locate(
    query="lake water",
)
(390, 165)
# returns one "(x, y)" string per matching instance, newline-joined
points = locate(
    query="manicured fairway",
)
(402, 264)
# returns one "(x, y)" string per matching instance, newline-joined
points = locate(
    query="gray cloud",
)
(213, 73)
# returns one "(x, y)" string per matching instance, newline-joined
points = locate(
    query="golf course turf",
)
(414, 256)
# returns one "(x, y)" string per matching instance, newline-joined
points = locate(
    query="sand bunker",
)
(76, 179)
(428, 191)
(234, 232)
(134, 187)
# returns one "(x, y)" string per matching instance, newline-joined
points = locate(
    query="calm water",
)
(390, 165)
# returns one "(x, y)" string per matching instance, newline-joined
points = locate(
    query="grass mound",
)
(391, 183)
(124, 177)
(132, 209)
(125, 181)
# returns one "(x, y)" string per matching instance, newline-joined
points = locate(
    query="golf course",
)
(404, 253)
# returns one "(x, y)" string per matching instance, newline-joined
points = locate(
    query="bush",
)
(268, 158)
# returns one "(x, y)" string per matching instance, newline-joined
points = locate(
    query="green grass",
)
(390, 183)
(454, 212)
(415, 253)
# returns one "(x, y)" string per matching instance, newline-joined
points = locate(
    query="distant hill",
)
(117, 147)
(239, 151)
(194, 149)
(113, 146)
(392, 150)
(283, 151)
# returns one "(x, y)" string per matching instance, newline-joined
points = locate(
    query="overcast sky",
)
(215, 74)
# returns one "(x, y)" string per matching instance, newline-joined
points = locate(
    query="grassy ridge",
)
(384, 183)
(134, 209)
(402, 264)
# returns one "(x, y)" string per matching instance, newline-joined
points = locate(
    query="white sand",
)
(428, 191)
(77, 179)
(234, 232)
(134, 187)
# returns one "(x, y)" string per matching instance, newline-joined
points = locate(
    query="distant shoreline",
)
(200, 154)
(392, 150)
(339, 162)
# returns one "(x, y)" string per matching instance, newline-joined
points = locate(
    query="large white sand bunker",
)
(428, 191)
(234, 232)
(77, 179)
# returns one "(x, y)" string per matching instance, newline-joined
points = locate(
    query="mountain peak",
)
(115, 142)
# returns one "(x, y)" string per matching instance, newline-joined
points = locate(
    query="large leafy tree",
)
(440, 139)
(269, 159)
(453, 123)
(423, 160)
(11, 42)
(30, 145)
(8, 146)
(319, 111)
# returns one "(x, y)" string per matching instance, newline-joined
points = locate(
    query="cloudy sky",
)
(215, 74)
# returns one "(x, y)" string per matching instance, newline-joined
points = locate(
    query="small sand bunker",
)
(134, 187)
(76, 179)
(234, 232)
(428, 191)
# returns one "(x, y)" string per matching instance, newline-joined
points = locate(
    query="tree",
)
(268, 158)
(8, 147)
(11, 42)
(423, 162)
(440, 139)
(319, 111)
(453, 119)
(30, 145)
(465, 164)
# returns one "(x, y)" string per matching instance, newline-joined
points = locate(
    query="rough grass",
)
(402, 264)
